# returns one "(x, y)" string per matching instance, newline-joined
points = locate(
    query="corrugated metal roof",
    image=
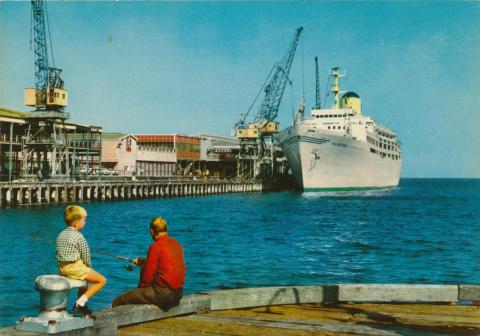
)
(154, 138)
(12, 114)
(8, 113)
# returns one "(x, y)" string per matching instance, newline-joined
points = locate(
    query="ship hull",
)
(327, 162)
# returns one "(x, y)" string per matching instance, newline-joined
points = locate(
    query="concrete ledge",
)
(108, 320)
(105, 324)
(264, 296)
(131, 314)
(398, 293)
(469, 293)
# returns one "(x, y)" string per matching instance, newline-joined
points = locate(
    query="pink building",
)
(124, 155)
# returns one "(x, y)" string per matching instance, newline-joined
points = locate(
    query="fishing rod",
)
(127, 267)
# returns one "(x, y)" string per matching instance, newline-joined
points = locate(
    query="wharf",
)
(379, 309)
(29, 193)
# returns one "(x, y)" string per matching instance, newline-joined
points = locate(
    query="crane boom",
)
(276, 86)
(40, 46)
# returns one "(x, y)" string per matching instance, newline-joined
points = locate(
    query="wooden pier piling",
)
(46, 192)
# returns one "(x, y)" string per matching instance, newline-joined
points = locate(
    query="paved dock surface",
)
(321, 319)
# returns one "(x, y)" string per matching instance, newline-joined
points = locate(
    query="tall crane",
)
(48, 94)
(273, 88)
(44, 148)
(257, 145)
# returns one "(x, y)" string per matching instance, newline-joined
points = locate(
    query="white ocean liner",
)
(340, 149)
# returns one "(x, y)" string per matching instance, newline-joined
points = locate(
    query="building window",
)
(129, 145)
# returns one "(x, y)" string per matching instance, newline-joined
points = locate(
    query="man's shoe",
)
(83, 311)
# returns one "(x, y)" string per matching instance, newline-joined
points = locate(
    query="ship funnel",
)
(351, 100)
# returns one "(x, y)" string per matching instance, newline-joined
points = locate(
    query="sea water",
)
(426, 231)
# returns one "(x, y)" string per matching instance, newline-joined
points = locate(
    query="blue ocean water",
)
(424, 231)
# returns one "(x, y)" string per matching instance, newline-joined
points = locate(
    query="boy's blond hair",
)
(158, 225)
(73, 213)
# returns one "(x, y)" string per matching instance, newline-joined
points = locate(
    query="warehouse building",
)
(219, 155)
(82, 151)
(165, 155)
(151, 155)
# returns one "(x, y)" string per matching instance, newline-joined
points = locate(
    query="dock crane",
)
(257, 145)
(45, 151)
(48, 94)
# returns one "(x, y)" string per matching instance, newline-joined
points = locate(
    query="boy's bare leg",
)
(82, 291)
(96, 282)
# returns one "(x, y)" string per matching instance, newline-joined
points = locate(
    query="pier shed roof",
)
(12, 115)
(158, 138)
(155, 138)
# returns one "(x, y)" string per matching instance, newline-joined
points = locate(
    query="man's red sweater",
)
(164, 265)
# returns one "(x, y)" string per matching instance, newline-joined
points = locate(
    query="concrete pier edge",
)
(109, 320)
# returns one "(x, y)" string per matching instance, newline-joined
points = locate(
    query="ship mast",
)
(318, 98)
(336, 85)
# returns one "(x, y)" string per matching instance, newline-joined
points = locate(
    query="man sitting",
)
(162, 274)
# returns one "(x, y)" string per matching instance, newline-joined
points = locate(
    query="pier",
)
(48, 192)
(356, 309)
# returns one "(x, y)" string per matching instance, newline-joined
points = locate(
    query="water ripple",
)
(425, 231)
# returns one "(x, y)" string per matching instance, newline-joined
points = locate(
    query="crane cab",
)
(248, 132)
(51, 97)
(252, 131)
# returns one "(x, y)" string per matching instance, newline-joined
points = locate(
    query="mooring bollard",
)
(53, 317)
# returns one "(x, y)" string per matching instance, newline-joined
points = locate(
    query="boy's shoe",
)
(83, 311)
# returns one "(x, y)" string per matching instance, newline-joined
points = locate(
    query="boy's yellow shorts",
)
(73, 269)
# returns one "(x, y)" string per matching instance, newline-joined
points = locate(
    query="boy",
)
(73, 257)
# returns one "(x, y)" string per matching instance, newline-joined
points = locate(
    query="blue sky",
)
(184, 67)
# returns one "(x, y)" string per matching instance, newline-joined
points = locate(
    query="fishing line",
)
(47, 241)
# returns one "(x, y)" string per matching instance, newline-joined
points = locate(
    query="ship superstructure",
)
(339, 148)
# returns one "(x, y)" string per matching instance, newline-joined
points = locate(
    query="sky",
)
(194, 67)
